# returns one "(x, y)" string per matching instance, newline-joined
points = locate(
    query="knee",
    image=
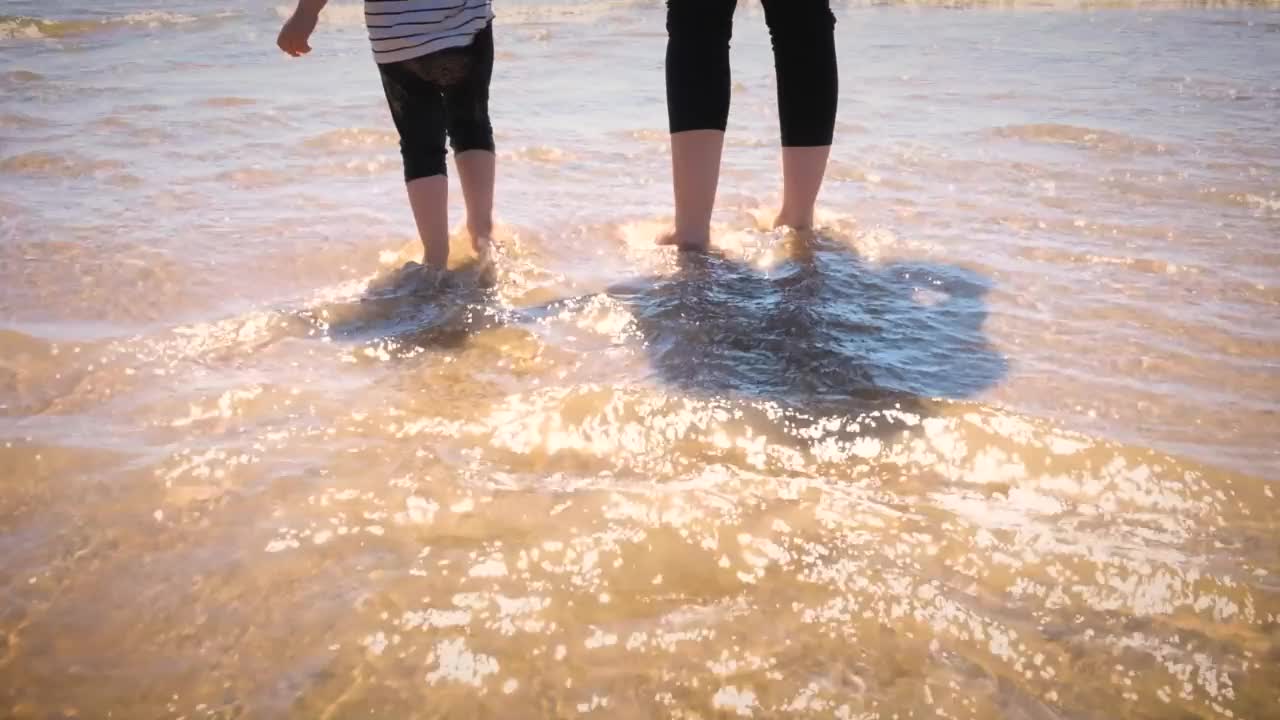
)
(802, 24)
(470, 129)
(422, 160)
(476, 135)
(804, 41)
(700, 23)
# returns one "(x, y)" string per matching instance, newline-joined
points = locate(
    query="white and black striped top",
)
(406, 29)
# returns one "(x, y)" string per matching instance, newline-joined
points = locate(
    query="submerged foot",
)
(685, 242)
(395, 282)
(486, 266)
(411, 279)
(421, 280)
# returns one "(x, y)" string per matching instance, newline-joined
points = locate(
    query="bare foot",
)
(686, 242)
(486, 268)
(425, 280)
(481, 235)
(413, 278)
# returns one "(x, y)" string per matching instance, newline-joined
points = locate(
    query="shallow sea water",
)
(999, 442)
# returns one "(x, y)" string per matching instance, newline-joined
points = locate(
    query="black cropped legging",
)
(804, 53)
(442, 94)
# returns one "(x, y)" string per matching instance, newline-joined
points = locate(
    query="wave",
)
(228, 102)
(67, 165)
(1085, 137)
(1261, 202)
(1069, 258)
(353, 138)
(541, 154)
(640, 431)
(646, 135)
(254, 178)
(18, 121)
(15, 344)
(380, 164)
(16, 77)
(155, 18)
(848, 172)
(18, 27)
(28, 28)
(42, 375)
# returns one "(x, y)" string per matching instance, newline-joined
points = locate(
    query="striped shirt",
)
(406, 29)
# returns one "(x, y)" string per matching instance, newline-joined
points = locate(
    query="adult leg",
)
(471, 134)
(697, 69)
(417, 109)
(803, 34)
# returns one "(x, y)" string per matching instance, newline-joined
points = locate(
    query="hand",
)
(296, 32)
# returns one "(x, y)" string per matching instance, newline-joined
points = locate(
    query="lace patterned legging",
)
(442, 94)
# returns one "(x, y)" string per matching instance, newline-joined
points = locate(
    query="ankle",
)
(436, 255)
(686, 238)
(794, 219)
(482, 230)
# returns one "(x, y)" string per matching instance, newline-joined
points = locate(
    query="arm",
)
(298, 28)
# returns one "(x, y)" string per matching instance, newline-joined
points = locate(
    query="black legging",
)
(804, 52)
(444, 93)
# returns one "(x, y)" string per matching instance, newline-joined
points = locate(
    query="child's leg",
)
(417, 109)
(471, 134)
(429, 199)
(476, 171)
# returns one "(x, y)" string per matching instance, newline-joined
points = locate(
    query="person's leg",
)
(429, 199)
(698, 87)
(477, 171)
(417, 109)
(803, 34)
(803, 169)
(471, 134)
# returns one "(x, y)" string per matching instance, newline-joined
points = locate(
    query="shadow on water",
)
(404, 311)
(821, 332)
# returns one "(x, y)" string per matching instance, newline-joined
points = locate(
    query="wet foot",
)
(486, 267)
(408, 279)
(685, 242)
(413, 278)
(429, 280)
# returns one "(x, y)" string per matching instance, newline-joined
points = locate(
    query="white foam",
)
(433, 618)
(20, 29)
(731, 699)
(492, 568)
(457, 663)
